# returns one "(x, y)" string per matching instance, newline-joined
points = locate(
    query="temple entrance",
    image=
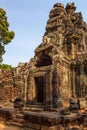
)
(39, 83)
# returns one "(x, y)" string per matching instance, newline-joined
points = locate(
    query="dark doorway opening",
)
(39, 83)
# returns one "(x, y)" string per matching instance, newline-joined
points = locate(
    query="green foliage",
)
(70, 56)
(5, 35)
(5, 66)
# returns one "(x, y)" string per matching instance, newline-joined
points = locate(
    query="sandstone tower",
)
(59, 67)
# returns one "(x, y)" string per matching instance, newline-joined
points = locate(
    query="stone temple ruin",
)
(54, 80)
(58, 71)
(59, 67)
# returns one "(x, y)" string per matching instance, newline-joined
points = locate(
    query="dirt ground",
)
(3, 127)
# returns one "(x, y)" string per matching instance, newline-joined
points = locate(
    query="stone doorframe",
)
(46, 74)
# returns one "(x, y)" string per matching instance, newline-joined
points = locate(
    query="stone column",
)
(73, 82)
(57, 99)
(73, 51)
(30, 88)
(55, 91)
(48, 89)
(25, 88)
(83, 81)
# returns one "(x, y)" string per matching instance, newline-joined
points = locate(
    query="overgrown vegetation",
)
(5, 66)
(5, 35)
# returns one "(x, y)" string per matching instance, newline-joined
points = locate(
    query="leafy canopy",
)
(5, 66)
(5, 35)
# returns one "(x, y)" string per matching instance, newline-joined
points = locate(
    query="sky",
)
(28, 18)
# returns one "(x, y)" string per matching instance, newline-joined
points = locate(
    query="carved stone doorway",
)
(39, 83)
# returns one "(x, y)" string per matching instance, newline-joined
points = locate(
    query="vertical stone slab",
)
(73, 81)
(55, 92)
(25, 87)
(48, 89)
(30, 88)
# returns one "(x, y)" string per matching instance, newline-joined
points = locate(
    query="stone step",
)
(33, 109)
(19, 120)
(14, 124)
(20, 116)
(35, 105)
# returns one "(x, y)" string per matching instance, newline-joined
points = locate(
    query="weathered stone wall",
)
(6, 114)
(6, 85)
(13, 83)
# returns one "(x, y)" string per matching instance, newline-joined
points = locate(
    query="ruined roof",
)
(66, 33)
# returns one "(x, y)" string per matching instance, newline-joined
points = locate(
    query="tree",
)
(5, 66)
(5, 35)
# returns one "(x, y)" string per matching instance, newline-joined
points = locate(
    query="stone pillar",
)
(49, 89)
(30, 88)
(25, 88)
(55, 90)
(83, 80)
(73, 82)
(73, 51)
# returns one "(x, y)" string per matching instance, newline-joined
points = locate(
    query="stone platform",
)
(45, 120)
